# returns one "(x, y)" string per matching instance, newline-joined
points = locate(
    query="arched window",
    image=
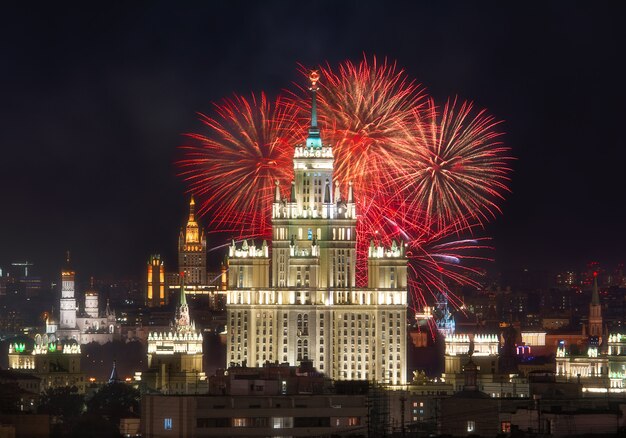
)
(305, 352)
(305, 325)
(299, 323)
(299, 349)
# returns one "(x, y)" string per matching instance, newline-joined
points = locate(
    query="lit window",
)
(167, 423)
(240, 422)
(471, 426)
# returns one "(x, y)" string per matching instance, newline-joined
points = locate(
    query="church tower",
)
(91, 301)
(68, 300)
(595, 311)
(309, 308)
(192, 250)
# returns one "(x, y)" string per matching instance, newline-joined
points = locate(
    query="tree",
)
(9, 398)
(114, 401)
(63, 402)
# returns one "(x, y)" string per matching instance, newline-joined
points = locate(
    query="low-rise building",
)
(262, 416)
(57, 364)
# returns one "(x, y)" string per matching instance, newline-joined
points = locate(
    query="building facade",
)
(258, 416)
(308, 306)
(56, 363)
(175, 357)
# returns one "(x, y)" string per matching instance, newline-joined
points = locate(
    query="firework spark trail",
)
(366, 109)
(437, 256)
(233, 169)
(460, 169)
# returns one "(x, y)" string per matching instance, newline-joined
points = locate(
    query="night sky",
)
(95, 99)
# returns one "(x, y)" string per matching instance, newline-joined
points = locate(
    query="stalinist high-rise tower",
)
(308, 306)
(192, 250)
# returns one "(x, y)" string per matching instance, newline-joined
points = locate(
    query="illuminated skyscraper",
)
(192, 250)
(309, 307)
(156, 293)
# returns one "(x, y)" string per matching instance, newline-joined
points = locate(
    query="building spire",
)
(192, 209)
(182, 320)
(183, 296)
(595, 296)
(114, 378)
(314, 140)
(277, 192)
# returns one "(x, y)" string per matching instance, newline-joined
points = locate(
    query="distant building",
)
(482, 350)
(56, 363)
(90, 324)
(260, 416)
(175, 357)
(600, 368)
(156, 290)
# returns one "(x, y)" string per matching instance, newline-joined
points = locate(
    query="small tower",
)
(114, 378)
(91, 301)
(68, 300)
(182, 320)
(595, 311)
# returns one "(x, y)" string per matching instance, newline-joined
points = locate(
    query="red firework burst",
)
(421, 176)
(459, 168)
(233, 168)
(366, 109)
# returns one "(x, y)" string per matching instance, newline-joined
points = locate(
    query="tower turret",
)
(91, 301)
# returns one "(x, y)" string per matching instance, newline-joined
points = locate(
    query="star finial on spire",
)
(314, 77)
(314, 139)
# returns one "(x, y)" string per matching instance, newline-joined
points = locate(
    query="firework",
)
(422, 175)
(458, 169)
(437, 256)
(365, 112)
(233, 168)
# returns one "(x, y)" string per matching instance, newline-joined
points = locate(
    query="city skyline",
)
(94, 123)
